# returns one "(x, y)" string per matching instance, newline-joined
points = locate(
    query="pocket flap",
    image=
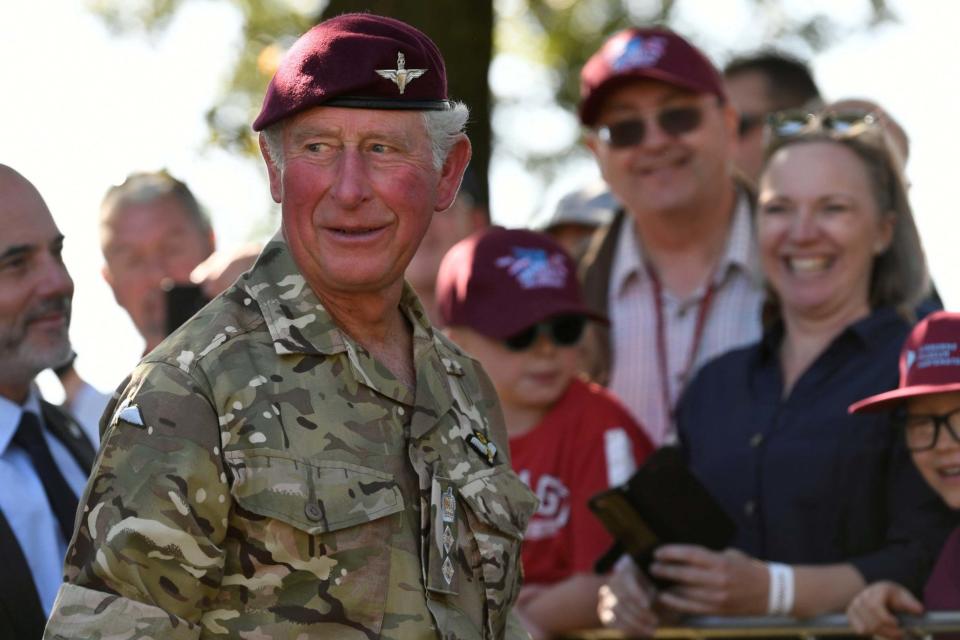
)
(501, 500)
(315, 496)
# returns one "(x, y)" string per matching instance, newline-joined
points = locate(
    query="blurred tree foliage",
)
(558, 34)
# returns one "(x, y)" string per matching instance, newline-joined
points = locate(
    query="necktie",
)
(29, 437)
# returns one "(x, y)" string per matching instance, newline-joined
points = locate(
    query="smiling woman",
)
(766, 427)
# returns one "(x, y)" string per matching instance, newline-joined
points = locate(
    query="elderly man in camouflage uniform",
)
(307, 458)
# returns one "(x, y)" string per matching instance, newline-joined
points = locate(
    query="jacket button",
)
(750, 507)
(313, 512)
(756, 440)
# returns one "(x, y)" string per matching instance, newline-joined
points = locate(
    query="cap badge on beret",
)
(638, 52)
(534, 269)
(401, 76)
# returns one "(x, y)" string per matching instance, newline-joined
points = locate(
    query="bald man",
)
(44, 456)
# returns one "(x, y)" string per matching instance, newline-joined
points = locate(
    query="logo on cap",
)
(401, 76)
(639, 52)
(910, 357)
(534, 269)
(937, 354)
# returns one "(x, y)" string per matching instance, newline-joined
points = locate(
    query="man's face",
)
(35, 288)
(664, 172)
(358, 190)
(143, 245)
(445, 230)
(749, 95)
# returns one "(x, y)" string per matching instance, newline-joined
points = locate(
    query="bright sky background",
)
(81, 108)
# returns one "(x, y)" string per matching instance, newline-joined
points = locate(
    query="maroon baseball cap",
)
(652, 54)
(357, 60)
(499, 282)
(929, 363)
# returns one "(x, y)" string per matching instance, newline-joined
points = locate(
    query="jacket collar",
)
(299, 324)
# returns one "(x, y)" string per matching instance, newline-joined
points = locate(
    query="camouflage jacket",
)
(262, 476)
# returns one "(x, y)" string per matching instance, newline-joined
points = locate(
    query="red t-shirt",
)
(585, 443)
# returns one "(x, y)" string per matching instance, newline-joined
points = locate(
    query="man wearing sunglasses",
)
(758, 85)
(676, 270)
(510, 298)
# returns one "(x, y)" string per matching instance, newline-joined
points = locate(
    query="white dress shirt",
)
(24, 503)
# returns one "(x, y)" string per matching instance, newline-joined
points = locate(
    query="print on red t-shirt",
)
(584, 444)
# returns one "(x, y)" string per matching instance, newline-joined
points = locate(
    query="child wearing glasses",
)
(511, 299)
(927, 407)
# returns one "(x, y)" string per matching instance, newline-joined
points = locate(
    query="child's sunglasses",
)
(565, 331)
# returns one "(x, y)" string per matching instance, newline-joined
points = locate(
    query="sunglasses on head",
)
(785, 124)
(565, 331)
(673, 121)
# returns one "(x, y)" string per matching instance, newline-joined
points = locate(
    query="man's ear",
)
(108, 276)
(731, 122)
(451, 174)
(276, 178)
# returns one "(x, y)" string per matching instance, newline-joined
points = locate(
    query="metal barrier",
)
(929, 625)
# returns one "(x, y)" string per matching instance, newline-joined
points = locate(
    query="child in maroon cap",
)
(511, 299)
(927, 404)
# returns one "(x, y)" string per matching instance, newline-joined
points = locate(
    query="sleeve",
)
(615, 448)
(146, 558)
(918, 524)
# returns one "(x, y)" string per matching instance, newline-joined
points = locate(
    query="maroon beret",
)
(653, 54)
(357, 60)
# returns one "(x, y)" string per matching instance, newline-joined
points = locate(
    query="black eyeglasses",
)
(674, 121)
(923, 431)
(785, 124)
(565, 331)
(748, 122)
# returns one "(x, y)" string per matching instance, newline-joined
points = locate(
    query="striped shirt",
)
(733, 320)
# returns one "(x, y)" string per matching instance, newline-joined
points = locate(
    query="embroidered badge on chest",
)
(447, 570)
(483, 446)
(448, 506)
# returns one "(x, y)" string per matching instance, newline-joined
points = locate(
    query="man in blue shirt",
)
(44, 456)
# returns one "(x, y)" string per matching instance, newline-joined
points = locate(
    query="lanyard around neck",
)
(662, 356)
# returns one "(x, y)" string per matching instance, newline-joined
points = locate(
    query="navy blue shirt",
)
(806, 482)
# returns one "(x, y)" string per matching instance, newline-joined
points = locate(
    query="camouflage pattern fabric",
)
(262, 476)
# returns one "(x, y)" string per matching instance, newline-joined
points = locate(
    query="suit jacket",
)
(21, 615)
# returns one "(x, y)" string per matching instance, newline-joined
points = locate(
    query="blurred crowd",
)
(745, 284)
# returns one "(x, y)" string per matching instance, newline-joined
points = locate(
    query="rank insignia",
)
(401, 76)
(448, 506)
(483, 446)
(447, 570)
(448, 540)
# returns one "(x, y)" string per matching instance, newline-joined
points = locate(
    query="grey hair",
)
(148, 186)
(444, 128)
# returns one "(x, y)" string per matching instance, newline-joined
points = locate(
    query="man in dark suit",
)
(44, 456)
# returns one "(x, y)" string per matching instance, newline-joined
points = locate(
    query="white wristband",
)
(780, 598)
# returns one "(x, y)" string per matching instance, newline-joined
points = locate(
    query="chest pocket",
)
(313, 536)
(499, 506)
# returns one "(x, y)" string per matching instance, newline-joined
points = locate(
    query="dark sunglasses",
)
(785, 124)
(674, 122)
(565, 331)
(923, 431)
(748, 122)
